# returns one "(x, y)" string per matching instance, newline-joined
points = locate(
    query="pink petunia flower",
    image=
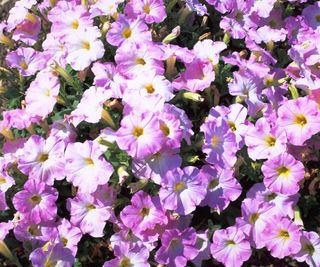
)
(126, 30)
(84, 47)
(36, 202)
(26, 60)
(42, 159)
(230, 247)
(300, 118)
(282, 174)
(140, 135)
(281, 237)
(86, 168)
(143, 213)
(182, 190)
(177, 247)
(310, 249)
(42, 94)
(88, 213)
(152, 11)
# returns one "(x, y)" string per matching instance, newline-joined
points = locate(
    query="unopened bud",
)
(123, 174)
(193, 96)
(171, 36)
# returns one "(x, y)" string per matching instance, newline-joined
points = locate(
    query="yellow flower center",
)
(284, 234)
(165, 129)
(88, 161)
(309, 248)
(232, 126)
(23, 64)
(270, 140)
(300, 119)
(35, 199)
(214, 141)
(146, 9)
(253, 217)
(230, 243)
(86, 45)
(126, 33)
(49, 263)
(318, 18)
(149, 88)
(213, 183)
(140, 61)
(178, 187)
(283, 171)
(2, 180)
(144, 212)
(64, 241)
(137, 131)
(125, 262)
(90, 207)
(75, 24)
(43, 157)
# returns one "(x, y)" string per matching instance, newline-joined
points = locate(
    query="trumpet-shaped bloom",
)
(282, 174)
(37, 201)
(177, 247)
(300, 118)
(140, 135)
(42, 159)
(281, 237)
(84, 47)
(230, 246)
(310, 249)
(42, 94)
(86, 168)
(182, 190)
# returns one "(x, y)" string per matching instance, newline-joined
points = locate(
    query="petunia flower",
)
(230, 247)
(42, 159)
(177, 247)
(143, 213)
(281, 237)
(42, 94)
(84, 47)
(86, 168)
(282, 174)
(36, 202)
(182, 190)
(310, 249)
(140, 134)
(300, 118)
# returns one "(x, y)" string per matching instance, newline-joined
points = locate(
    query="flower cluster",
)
(145, 132)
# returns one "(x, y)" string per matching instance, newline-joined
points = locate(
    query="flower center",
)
(34, 230)
(253, 217)
(146, 9)
(23, 64)
(43, 157)
(214, 141)
(64, 241)
(126, 33)
(86, 45)
(35, 199)
(137, 131)
(90, 207)
(125, 262)
(300, 119)
(284, 234)
(178, 187)
(239, 16)
(283, 171)
(309, 248)
(144, 212)
(2, 180)
(88, 161)
(232, 126)
(213, 183)
(273, 24)
(149, 88)
(165, 129)
(75, 24)
(318, 18)
(140, 61)
(270, 140)
(230, 243)
(271, 196)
